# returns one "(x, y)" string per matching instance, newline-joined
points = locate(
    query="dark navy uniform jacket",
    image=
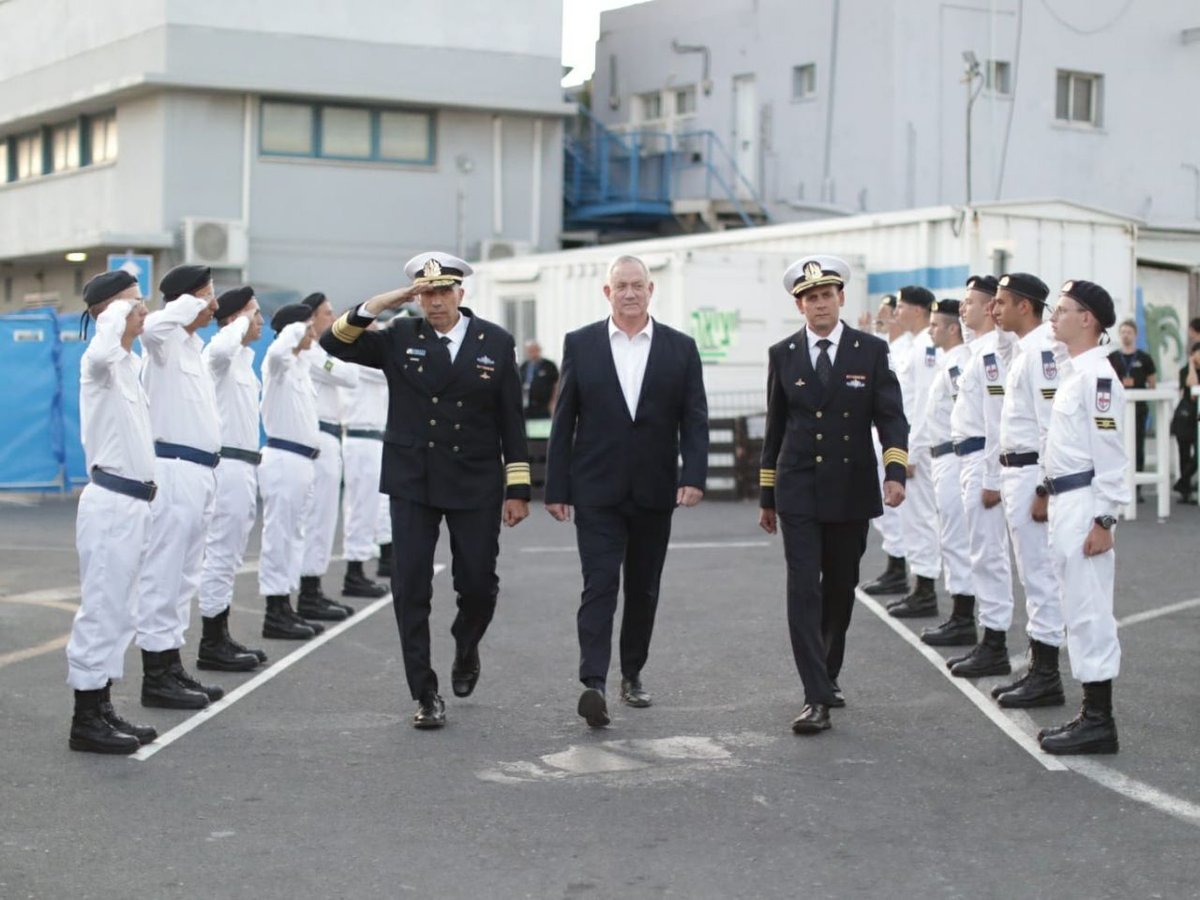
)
(455, 435)
(818, 457)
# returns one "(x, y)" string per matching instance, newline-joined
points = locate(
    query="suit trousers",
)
(170, 576)
(360, 500)
(822, 570)
(474, 546)
(919, 515)
(321, 510)
(1031, 549)
(991, 573)
(611, 538)
(112, 534)
(234, 512)
(284, 481)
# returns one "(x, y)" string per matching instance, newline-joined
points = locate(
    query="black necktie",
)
(824, 363)
(445, 339)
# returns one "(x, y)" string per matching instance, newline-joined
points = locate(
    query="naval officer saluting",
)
(826, 385)
(454, 448)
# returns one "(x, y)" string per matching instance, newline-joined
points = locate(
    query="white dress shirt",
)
(943, 393)
(456, 334)
(630, 355)
(969, 416)
(328, 375)
(114, 412)
(834, 337)
(237, 388)
(183, 405)
(365, 405)
(915, 375)
(289, 402)
(1029, 393)
(1086, 425)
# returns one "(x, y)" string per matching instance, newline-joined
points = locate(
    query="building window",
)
(685, 101)
(999, 77)
(804, 81)
(102, 138)
(1079, 98)
(650, 106)
(64, 147)
(4, 174)
(520, 318)
(346, 132)
(29, 156)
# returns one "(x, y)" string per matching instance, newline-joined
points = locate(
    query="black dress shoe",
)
(920, 603)
(217, 650)
(162, 690)
(185, 678)
(431, 712)
(281, 622)
(839, 699)
(894, 579)
(464, 674)
(633, 694)
(988, 657)
(593, 707)
(144, 733)
(357, 584)
(813, 719)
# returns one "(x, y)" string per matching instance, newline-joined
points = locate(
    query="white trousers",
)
(889, 525)
(383, 522)
(112, 534)
(284, 480)
(363, 458)
(1031, 549)
(321, 510)
(919, 517)
(170, 574)
(234, 512)
(1086, 588)
(952, 518)
(987, 534)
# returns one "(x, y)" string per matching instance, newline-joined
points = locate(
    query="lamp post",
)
(971, 74)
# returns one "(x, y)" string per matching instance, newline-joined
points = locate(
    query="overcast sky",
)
(581, 27)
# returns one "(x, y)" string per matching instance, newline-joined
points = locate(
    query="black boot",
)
(161, 688)
(894, 579)
(184, 677)
(918, 604)
(988, 657)
(1041, 686)
(144, 733)
(260, 655)
(959, 629)
(1092, 731)
(356, 584)
(92, 733)
(311, 602)
(217, 650)
(385, 561)
(282, 623)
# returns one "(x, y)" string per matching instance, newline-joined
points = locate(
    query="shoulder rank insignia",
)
(1106, 424)
(1049, 366)
(1103, 394)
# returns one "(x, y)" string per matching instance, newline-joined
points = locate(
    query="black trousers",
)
(611, 538)
(474, 545)
(822, 570)
(1140, 419)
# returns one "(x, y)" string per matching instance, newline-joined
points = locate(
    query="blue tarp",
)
(69, 356)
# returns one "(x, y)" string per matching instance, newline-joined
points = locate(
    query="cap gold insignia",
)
(1004, 281)
(432, 269)
(934, 308)
(1066, 289)
(812, 270)
(971, 284)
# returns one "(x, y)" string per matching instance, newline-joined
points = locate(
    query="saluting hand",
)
(560, 511)
(515, 511)
(392, 299)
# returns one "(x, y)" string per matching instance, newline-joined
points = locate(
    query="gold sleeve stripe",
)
(515, 478)
(766, 478)
(895, 455)
(518, 466)
(344, 331)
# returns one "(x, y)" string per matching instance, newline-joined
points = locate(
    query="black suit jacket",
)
(818, 458)
(448, 424)
(598, 455)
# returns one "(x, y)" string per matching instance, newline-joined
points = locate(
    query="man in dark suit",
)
(454, 411)
(539, 382)
(630, 403)
(826, 385)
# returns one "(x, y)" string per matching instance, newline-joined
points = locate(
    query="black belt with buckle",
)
(941, 449)
(330, 428)
(969, 445)
(369, 433)
(1018, 460)
(130, 487)
(165, 450)
(251, 456)
(293, 447)
(1065, 483)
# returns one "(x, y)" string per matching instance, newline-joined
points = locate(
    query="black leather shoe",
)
(357, 584)
(91, 732)
(839, 699)
(464, 674)
(144, 733)
(813, 719)
(920, 603)
(988, 657)
(162, 690)
(633, 694)
(954, 632)
(431, 712)
(311, 602)
(1092, 731)
(894, 579)
(185, 678)
(281, 622)
(385, 561)
(1041, 686)
(217, 650)
(593, 707)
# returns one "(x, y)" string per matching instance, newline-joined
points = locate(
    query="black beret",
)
(286, 315)
(313, 300)
(1025, 285)
(107, 285)
(889, 300)
(1094, 299)
(233, 302)
(947, 307)
(916, 295)
(985, 284)
(184, 280)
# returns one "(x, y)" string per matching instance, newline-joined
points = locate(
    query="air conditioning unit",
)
(220, 243)
(500, 248)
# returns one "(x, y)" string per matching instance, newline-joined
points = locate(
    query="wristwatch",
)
(1042, 491)
(1106, 522)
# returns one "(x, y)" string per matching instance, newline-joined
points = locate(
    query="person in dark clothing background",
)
(1137, 370)
(1183, 423)
(539, 383)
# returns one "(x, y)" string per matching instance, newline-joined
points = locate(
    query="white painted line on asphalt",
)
(167, 739)
(968, 690)
(30, 652)
(1156, 613)
(1135, 790)
(694, 545)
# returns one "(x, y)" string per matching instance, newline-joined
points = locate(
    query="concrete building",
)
(295, 144)
(829, 107)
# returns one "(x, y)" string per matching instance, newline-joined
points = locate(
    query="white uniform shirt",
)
(114, 412)
(456, 334)
(917, 368)
(630, 355)
(289, 402)
(1087, 419)
(969, 417)
(365, 405)
(183, 405)
(943, 391)
(1029, 393)
(231, 366)
(328, 375)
